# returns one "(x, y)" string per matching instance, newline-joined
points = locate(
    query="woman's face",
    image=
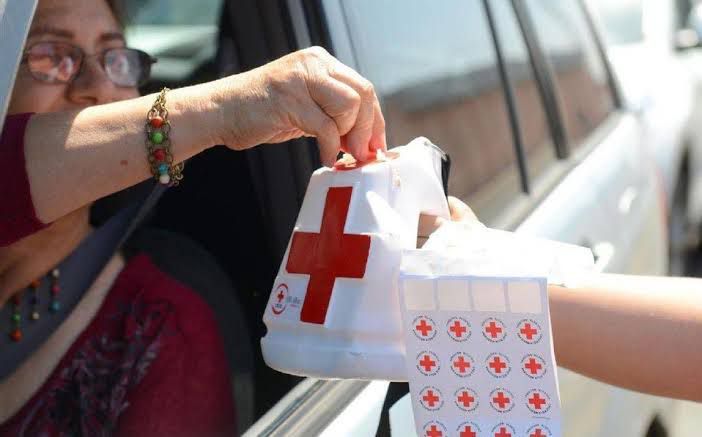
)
(87, 24)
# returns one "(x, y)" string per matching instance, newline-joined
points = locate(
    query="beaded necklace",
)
(33, 292)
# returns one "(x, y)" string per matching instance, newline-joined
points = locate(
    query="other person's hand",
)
(428, 223)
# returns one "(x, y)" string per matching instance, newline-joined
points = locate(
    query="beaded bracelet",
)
(158, 144)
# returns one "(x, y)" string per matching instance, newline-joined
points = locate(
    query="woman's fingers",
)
(313, 120)
(369, 125)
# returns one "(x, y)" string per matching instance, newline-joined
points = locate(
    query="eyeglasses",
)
(55, 62)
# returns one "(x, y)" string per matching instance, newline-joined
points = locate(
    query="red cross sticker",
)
(462, 364)
(498, 365)
(529, 331)
(458, 329)
(434, 429)
(534, 366)
(430, 398)
(494, 330)
(466, 399)
(501, 400)
(468, 431)
(538, 432)
(424, 328)
(427, 363)
(538, 401)
(503, 432)
(328, 255)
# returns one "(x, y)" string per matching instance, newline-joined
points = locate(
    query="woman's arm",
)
(76, 157)
(638, 332)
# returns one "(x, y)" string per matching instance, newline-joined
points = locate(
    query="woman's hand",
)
(306, 93)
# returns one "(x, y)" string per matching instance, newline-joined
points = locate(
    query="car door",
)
(610, 201)
(15, 19)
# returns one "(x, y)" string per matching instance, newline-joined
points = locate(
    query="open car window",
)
(15, 19)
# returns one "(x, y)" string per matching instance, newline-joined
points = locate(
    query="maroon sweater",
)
(150, 363)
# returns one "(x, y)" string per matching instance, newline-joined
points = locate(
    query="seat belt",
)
(78, 272)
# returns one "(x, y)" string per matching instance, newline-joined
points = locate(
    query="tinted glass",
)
(580, 77)
(434, 69)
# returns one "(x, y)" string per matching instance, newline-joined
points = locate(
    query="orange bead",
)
(156, 122)
(16, 335)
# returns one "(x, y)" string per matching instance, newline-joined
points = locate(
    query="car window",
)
(534, 129)
(434, 68)
(582, 86)
(622, 21)
(182, 34)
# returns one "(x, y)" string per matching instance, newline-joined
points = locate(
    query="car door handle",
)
(603, 252)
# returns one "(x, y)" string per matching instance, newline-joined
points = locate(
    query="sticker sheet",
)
(480, 356)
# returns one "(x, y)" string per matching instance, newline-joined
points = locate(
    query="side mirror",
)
(690, 36)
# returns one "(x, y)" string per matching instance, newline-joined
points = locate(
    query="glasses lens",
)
(53, 62)
(127, 67)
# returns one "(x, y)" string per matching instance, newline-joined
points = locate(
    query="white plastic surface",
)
(361, 336)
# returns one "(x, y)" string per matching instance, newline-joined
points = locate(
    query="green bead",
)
(157, 137)
(16, 317)
(55, 306)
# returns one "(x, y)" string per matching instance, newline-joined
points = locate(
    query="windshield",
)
(622, 20)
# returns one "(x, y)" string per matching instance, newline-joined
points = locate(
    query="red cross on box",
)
(467, 431)
(427, 363)
(503, 432)
(497, 365)
(466, 399)
(501, 400)
(423, 327)
(460, 364)
(537, 401)
(328, 255)
(433, 431)
(431, 398)
(528, 331)
(533, 366)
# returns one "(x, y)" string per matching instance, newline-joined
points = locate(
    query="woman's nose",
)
(92, 86)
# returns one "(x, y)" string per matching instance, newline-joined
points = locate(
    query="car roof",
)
(15, 19)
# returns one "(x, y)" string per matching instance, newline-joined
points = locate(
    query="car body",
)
(659, 78)
(533, 117)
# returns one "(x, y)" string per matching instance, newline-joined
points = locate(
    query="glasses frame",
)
(81, 56)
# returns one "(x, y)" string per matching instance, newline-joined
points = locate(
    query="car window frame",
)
(15, 21)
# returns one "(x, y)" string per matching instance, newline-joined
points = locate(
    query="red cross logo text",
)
(424, 328)
(497, 365)
(538, 401)
(428, 363)
(501, 400)
(539, 431)
(494, 330)
(466, 399)
(503, 430)
(533, 366)
(462, 364)
(328, 255)
(468, 429)
(458, 329)
(430, 398)
(279, 304)
(529, 331)
(434, 429)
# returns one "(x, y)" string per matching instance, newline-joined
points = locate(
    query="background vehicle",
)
(654, 52)
(519, 92)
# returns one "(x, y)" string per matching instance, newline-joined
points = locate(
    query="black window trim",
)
(544, 79)
(509, 97)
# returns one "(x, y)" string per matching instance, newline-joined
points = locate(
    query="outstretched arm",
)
(638, 332)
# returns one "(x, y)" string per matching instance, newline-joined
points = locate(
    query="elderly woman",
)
(139, 354)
